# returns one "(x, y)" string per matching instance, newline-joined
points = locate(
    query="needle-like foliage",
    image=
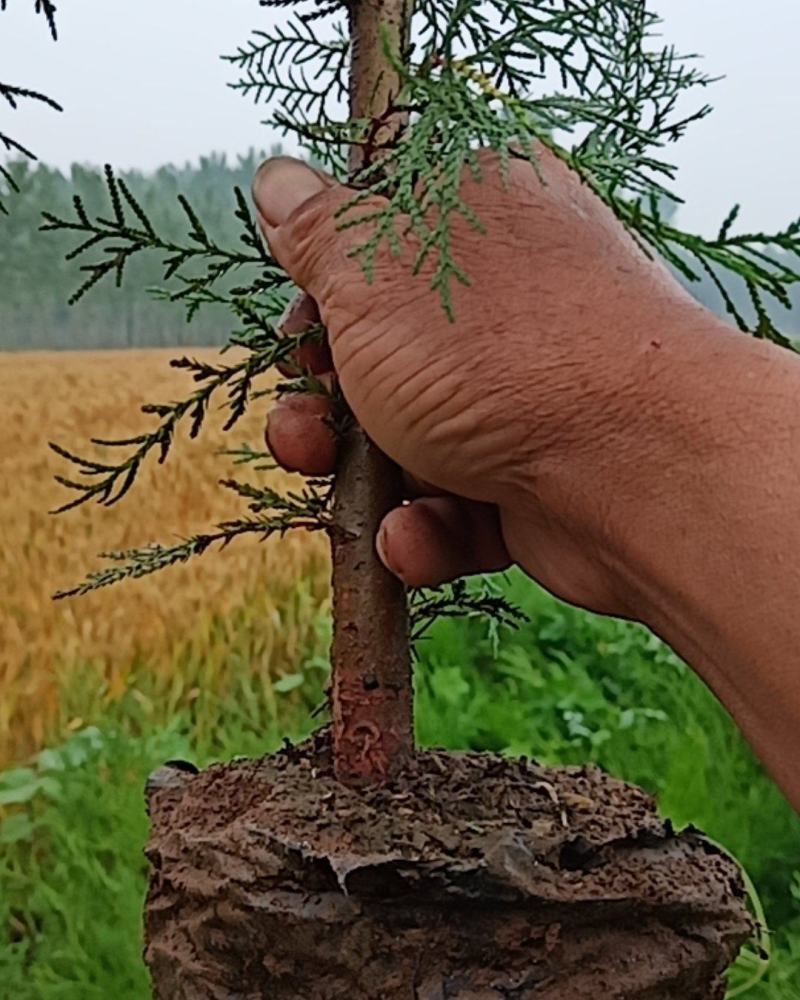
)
(462, 599)
(44, 7)
(197, 265)
(13, 95)
(270, 513)
(197, 272)
(274, 64)
(590, 79)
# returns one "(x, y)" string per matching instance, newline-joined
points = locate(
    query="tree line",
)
(37, 281)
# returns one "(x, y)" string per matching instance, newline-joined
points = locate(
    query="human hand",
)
(518, 424)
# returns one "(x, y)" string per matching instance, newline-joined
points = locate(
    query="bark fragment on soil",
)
(468, 877)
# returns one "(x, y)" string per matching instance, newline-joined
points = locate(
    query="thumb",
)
(297, 209)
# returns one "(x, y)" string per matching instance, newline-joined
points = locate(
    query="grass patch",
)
(566, 688)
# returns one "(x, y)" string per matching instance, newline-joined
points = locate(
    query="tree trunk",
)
(371, 690)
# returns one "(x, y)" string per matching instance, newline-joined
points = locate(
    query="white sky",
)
(142, 85)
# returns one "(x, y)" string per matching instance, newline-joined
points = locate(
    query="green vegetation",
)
(567, 687)
(11, 96)
(38, 280)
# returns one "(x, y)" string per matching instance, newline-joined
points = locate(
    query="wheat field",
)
(165, 638)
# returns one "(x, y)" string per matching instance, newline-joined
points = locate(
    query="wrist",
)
(696, 461)
(641, 449)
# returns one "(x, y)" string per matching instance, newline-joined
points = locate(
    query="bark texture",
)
(468, 877)
(371, 695)
(371, 690)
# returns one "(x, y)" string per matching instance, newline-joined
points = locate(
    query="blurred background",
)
(228, 655)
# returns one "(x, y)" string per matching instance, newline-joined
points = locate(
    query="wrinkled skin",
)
(560, 274)
(583, 417)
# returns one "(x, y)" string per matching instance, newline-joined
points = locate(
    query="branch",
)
(46, 7)
(307, 509)
(131, 564)
(128, 231)
(319, 8)
(12, 95)
(295, 65)
(750, 258)
(108, 482)
(481, 598)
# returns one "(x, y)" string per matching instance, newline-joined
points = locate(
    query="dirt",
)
(468, 877)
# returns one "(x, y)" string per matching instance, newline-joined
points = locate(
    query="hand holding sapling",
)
(473, 78)
(531, 404)
(586, 418)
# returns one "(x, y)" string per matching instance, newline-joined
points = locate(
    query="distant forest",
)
(37, 281)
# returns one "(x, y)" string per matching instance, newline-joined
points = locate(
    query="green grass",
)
(566, 688)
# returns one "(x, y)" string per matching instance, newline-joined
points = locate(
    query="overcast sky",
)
(142, 85)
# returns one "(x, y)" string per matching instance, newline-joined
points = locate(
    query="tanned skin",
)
(583, 418)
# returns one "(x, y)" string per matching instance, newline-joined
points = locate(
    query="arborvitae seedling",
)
(428, 85)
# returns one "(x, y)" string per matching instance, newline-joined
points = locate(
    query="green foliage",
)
(12, 95)
(107, 483)
(479, 74)
(195, 268)
(129, 231)
(476, 74)
(480, 597)
(567, 687)
(80, 853)
(273, 513)
(193, 271)
(38, 279)
(274, 66)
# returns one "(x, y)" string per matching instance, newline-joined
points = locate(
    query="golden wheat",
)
(175, 628)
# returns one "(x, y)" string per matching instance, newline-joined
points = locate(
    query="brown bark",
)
(371, 690)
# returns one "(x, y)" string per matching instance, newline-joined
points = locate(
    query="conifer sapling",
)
(427, 88)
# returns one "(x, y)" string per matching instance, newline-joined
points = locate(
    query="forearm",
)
(713, 545)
